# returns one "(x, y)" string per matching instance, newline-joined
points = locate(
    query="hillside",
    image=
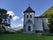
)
(48, 12)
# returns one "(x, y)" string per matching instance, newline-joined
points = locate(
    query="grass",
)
(20, 36)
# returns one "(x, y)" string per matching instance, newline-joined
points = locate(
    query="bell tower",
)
(29, 20)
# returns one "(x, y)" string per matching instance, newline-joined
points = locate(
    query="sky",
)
(17, 7)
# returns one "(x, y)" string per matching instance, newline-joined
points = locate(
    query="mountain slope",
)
(48, 12)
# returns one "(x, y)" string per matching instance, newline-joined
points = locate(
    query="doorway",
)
(29, 28)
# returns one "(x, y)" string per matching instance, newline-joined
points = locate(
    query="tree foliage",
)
(49, 14)
(3, 15)
(51, 23)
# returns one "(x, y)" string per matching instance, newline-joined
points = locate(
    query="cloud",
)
(17, 27)
(20, 25)
(11, 13)
(15, 18)
(22, 19)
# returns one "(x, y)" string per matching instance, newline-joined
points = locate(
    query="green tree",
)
(49, 14)
(51, 23)
(3, 15)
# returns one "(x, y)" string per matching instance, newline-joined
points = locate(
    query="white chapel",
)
(34, 24)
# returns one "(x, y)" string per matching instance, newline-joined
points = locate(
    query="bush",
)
(1, 30)
(20, 31)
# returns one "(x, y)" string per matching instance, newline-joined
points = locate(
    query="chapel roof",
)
(28, 10)
(41, 17)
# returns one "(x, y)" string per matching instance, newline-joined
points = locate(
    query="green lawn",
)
(19, 36)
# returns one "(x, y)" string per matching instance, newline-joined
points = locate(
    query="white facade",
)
(38, 24)
(33, 24)
(29, 22)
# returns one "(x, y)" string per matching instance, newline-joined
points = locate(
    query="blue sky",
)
(18, 6)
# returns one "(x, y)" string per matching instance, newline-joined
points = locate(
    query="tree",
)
(3, 15)
(51, 23)
(49, 13)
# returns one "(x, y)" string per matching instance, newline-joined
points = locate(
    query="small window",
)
(30, 16)
(27, 16)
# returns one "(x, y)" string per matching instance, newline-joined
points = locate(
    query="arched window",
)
(30, 16)
(27, 16)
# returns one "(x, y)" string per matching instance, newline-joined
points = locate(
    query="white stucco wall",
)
(46, 23)
(26, 19)
(38, 24)
(29, 23)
